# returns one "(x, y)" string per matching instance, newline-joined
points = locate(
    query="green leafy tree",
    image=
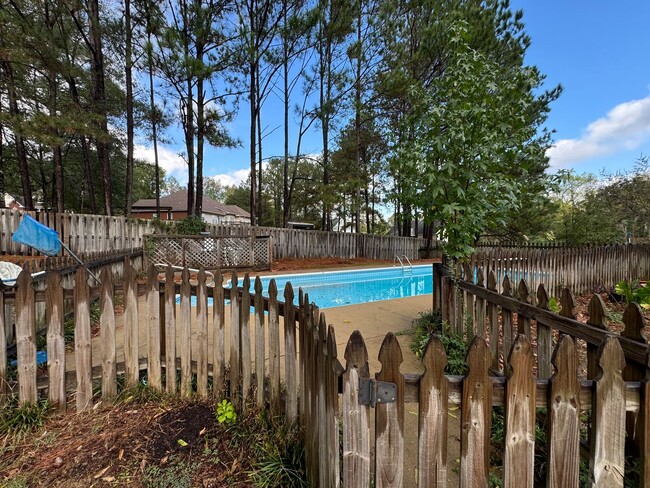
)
(472, 135)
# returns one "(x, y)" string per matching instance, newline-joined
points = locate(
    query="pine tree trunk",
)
(286, 202)
(21, 153)
(85, 152)
(99, 99)
(2, 166)
(200, 136)
(129, 108)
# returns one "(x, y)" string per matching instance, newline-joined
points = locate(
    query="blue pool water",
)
(338, 288)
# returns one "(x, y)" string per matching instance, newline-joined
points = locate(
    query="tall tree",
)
(130, 129)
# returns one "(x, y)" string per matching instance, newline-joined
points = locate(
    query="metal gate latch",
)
(372, 392)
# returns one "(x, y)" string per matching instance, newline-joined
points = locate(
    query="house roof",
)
(177, 202)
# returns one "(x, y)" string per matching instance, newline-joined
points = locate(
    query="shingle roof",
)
(177, 202)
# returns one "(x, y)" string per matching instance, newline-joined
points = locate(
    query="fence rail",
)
(237, 343)
(97, 233)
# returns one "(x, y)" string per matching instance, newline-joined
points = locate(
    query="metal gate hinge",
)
(372, 392)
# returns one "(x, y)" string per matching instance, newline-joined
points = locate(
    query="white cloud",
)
(625, 127)
(169, 160)
(233, 178)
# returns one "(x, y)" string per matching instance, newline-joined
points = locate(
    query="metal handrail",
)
(408, 261)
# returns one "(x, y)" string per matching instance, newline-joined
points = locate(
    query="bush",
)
(191, 225)
(431, 323)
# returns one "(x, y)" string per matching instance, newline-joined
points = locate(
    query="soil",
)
(130, 444)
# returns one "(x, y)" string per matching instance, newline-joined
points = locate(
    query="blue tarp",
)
(34, 234)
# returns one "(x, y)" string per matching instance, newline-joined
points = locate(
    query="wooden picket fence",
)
(98, 233)
(285, 357)
(580, 268)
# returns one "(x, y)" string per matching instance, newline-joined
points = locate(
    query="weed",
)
(226, 412)
(15, 483)
(22, 419)
(177, 474)
(431, 323)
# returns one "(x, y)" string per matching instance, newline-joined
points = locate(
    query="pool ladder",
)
(398, 258)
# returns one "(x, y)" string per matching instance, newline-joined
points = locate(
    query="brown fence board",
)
(82, 341)
(186, 334)
(476, 413)
(389, 419)
(274, 347)
(564, 418)
(107, 332)
(201, 335)
(433, 417)
(607, 462)
(170, 331)
(25, 338)
(154, 376)
(218, 320)
(519, 457)
(356, 418)
(131, 335)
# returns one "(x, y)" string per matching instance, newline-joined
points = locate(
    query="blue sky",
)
(598, 50)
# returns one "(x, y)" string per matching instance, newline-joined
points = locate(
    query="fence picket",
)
(170, 331)
(201, 335)
(607, 461)
(332, 373)
(476, 413)
(107, 331)
(3, 344)
(218, 321)
(260, 342)
(154, 377)
(597, 312)
(519, 465)
(563, 418)
(433, 417)
(493, 318)
(290, 354)
(25, 338)
(389, 419)
(356, 417)
(274, 347)
(235, 358)
(186, 334)
(506, 319)
(544, 338)
(82, 340)
(131, 325)
(245, 339)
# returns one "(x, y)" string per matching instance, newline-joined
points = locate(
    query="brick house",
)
(174, 207)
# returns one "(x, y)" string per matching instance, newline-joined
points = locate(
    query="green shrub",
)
(430, 323)
(191, 225)
(634, 293)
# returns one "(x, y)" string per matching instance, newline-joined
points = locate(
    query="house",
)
(174, 207)
(11, 202)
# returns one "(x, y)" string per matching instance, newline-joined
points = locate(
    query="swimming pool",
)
(329, 289)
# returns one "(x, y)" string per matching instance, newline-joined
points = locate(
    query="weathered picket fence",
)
(82, 233)
(98, 233)
(580, 268)
(286, 357)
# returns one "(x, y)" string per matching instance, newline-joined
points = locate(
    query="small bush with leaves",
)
(634, 293)
(431, 323)
(189, 226)
(226, 412)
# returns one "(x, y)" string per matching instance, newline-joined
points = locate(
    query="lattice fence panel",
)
(236, 251)
(262, 251)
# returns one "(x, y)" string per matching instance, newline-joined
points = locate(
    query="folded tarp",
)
(34, 234)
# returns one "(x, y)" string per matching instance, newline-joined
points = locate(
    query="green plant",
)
(21, 419)
(553, 305)
(430, 323)
(191, 225)
(634, 293)
(177, 474)
(226, 412)
(280, 460)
